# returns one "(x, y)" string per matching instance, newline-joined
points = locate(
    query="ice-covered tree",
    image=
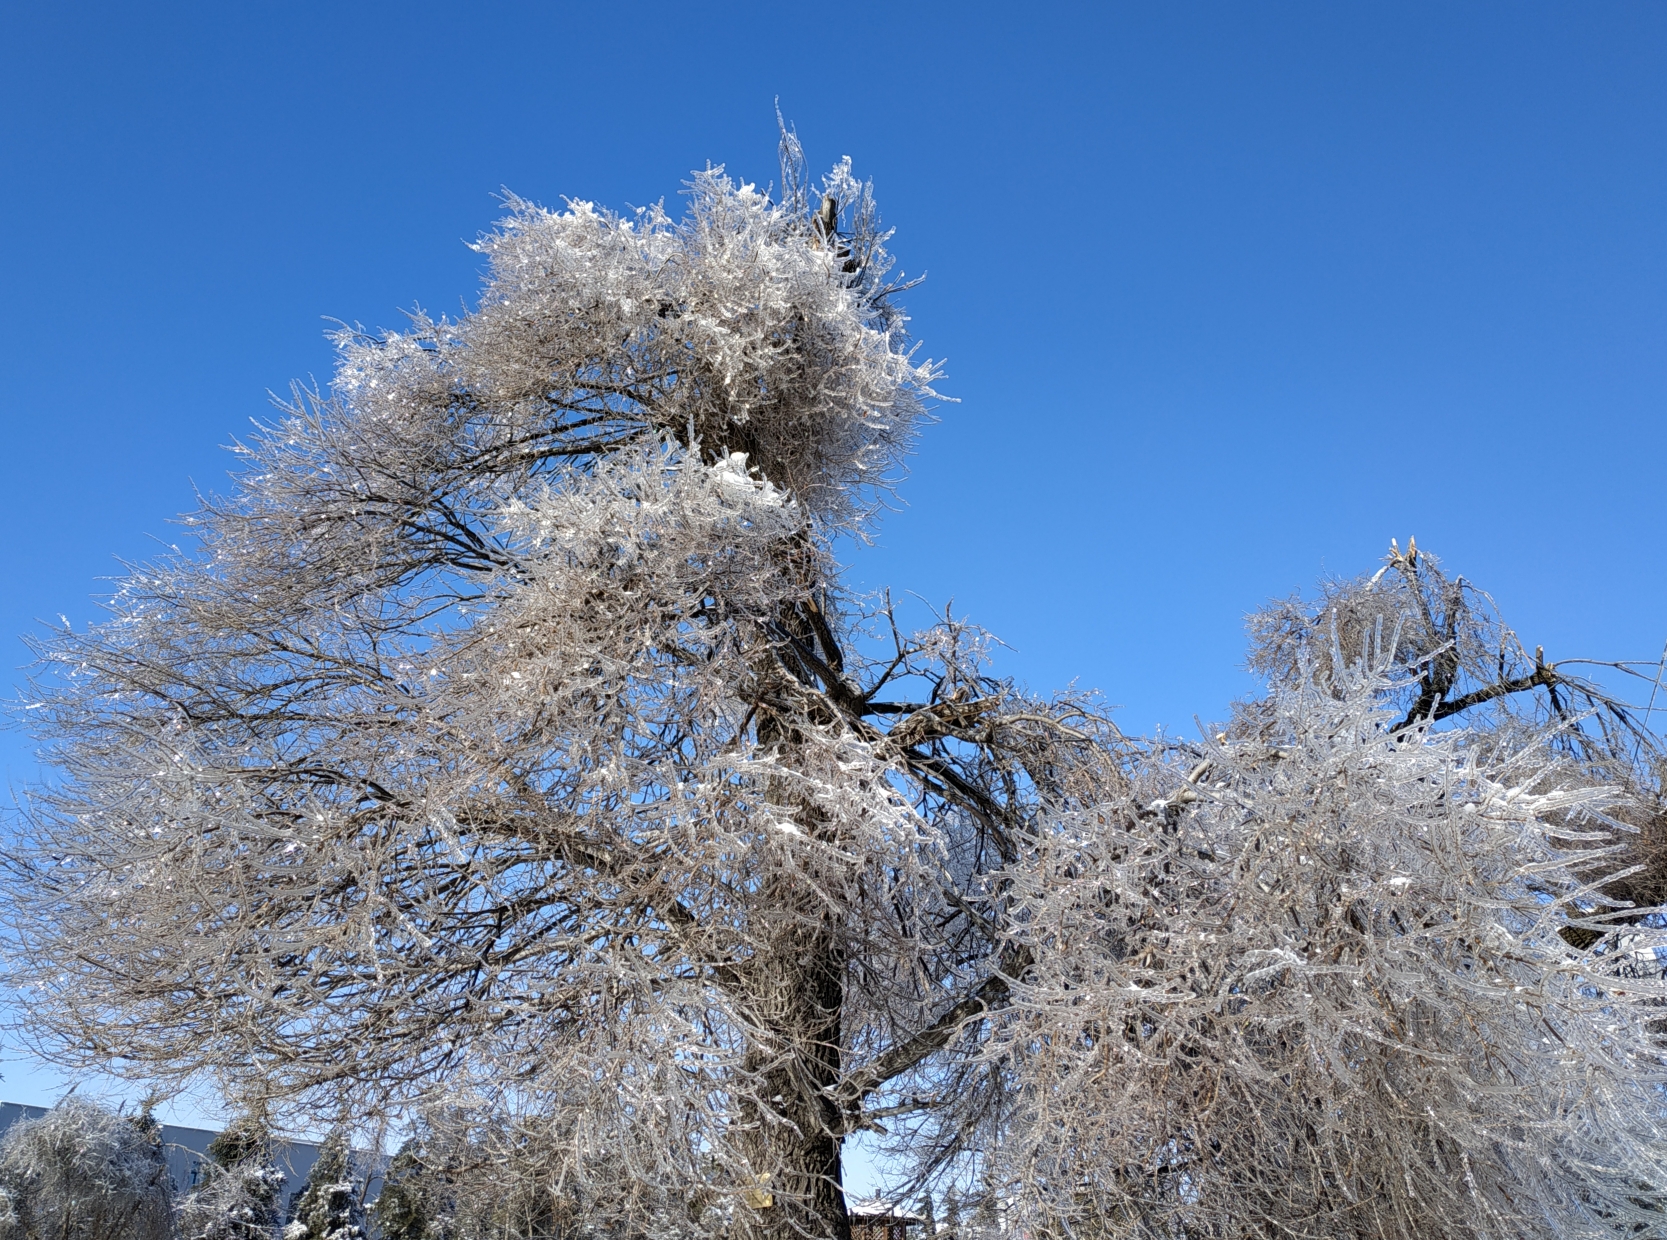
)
(1336, 970)
(82, 1172)
(329, 1206)
(420, 1190)
(508, 748)
(1319, 983)
(928, 1213)
(238, 1196)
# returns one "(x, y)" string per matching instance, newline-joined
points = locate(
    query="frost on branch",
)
(1317, 983)
(80, 1172)
(508, 754)
(1457, 659)
(502, 750)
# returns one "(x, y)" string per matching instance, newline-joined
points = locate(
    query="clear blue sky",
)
(1229, 293)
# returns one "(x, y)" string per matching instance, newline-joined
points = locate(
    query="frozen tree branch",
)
(508, 755)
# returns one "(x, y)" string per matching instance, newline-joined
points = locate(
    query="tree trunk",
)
(797, 989)
(797, 1061)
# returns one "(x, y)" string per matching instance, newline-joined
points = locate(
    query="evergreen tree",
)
(328, 1207)
(986, 1217)
(243, 1138)
(238, 1196)
(418, 1198)
(952, 1211)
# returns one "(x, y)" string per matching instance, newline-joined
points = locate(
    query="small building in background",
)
(875, 1218)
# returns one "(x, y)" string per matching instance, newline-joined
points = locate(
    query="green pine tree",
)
(243, 1138)
(328, 1208)
(952, 1211)
(149, 1129)
(238, 1196)
(418, 1195)
(401, 1209)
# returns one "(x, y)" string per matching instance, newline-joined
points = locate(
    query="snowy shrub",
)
(81, 1172)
